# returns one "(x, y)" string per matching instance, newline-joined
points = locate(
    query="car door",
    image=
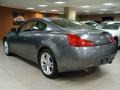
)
(34, 38)
(21, 41)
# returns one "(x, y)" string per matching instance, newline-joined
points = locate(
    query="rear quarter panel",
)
(55, 41)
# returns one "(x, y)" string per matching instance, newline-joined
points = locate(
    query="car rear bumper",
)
(77, 58)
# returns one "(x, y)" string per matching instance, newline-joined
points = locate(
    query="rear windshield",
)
(70, 24)
(113, 26)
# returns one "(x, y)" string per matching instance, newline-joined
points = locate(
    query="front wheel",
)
(48, 63)
(6, 48)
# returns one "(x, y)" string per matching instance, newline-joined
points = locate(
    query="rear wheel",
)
(6, 48)
(48, 63)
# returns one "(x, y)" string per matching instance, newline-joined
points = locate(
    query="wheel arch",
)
(41, 49)
(55, 73)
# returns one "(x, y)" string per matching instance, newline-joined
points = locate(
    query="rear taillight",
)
(77, 41)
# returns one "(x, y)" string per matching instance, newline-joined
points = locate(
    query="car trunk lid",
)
(97, 37)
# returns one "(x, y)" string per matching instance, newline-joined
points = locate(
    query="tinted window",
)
(70, 24)
(33, 25)
(41, 25)
(29, 26)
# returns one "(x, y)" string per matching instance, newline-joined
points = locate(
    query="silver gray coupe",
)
(60, 45)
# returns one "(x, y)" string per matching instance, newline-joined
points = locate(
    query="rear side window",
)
(28, 26)
(41, 25)
(33, 26)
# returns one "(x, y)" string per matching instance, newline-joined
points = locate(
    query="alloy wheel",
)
(47, 63)
(6, 47)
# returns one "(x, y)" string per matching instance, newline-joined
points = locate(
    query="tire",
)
(6, 48)
(48, 64)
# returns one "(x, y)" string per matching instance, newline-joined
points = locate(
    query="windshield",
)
(110, 26)
(71, 24)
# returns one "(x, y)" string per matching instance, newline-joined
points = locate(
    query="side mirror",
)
(13, 30)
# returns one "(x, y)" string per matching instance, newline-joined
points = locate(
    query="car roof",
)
(46, 19)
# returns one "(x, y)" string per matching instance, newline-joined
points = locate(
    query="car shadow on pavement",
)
(81, 75)
(26, 61)
(96, 73)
